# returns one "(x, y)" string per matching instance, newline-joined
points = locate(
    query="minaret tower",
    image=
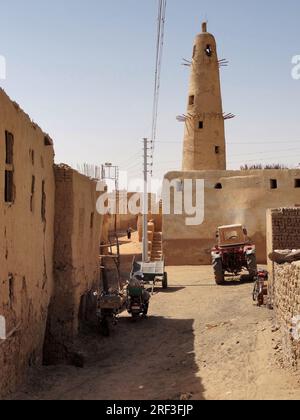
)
(204, 139)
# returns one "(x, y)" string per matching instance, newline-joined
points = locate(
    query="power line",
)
(270, 143)
(162, 6)
(127, 161)
(266, 151)
(133, 166)
(262, 159)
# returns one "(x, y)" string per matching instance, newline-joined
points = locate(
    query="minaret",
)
(204, 140)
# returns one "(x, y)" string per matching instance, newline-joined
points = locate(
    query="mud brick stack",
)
(286, 228)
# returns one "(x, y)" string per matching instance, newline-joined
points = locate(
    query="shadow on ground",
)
(169, 290)
(238, 281)
(150, 359)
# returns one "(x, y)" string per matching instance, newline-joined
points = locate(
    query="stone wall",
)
(76, 261)
(26, 240)
(283, 232)
(231, 197)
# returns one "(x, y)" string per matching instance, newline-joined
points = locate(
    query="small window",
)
(32, 193)
(48, 141)
(218, 186)
(9, 142)
(217, 150)
(191, 100)
(32, 157)
(92, 220)
(208, 50)
(9, 187)
(201, 125)
(297, 183)
(11, 285)
(273, 184)
(43, 203)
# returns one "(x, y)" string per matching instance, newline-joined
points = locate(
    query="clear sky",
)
(84, 72)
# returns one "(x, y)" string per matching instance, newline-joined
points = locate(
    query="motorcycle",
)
(137, 297)
(260, 287)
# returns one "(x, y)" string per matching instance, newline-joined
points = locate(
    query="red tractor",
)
(233, 254)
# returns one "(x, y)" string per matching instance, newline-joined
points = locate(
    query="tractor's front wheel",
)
(252, 265)
(218, 271)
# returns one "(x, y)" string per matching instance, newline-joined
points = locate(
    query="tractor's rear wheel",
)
(252, 266)
(219, 272)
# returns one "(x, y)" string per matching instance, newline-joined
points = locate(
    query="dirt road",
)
(200, 342)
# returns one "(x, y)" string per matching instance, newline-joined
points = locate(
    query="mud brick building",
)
(77, 230)
(231, 197)
(27, 193)
(49, 238)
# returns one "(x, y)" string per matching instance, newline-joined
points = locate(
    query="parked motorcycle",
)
(137, 297)
(261, 287)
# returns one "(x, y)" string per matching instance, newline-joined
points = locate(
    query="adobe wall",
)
(26, 241)
(287, 307)
(76, 260)
(244, 198)
(283, 232)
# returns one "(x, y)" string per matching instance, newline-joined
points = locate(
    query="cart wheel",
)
(165, 281)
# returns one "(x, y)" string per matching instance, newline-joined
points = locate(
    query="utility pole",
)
(145, 205)
(110, 172)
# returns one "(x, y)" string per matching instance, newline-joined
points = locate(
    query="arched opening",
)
(208, 50)
(218, 186)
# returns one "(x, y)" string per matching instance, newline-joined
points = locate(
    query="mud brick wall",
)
(287, 307)
(77, 230)
(285, 225)
(283, 232)
(244, 199)
(26, 243)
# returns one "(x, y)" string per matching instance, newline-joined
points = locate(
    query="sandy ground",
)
(201, 341)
